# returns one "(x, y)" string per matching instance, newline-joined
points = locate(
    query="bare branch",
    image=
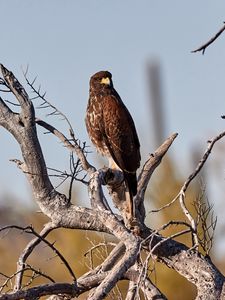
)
(74, 148)
(113, 257)
(202, 161)
(187, 263)
(39, 273)
(23, 128)
(17, 89)
(131, 242)
(149, 289)
(50, 245)
(46, 103)
(151, 164)
(27, 251)
(189, 180)
(206, 223)
(42, 290)
(145, 175)
(132, 291)
(194, 173)
(204, 46)
(83, 284)
(7, 119)
(121, 261)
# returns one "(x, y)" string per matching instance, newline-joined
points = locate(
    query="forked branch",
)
(62, 213)
(209, 42)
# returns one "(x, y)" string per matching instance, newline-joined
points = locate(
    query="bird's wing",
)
(120, 134)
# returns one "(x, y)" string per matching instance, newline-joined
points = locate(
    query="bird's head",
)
(101, 80)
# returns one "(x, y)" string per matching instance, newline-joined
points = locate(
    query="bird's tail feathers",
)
(131, 183)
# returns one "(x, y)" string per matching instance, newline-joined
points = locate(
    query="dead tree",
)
(123, 262)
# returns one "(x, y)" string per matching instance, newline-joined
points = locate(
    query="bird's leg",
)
(130, 205)
(122, 197)
(113, 165)
(123, 200)
(128, 197)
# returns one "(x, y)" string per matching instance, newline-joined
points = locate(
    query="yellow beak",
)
(105, 80)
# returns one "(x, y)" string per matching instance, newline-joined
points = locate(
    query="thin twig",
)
(28, 250)
(40, 237)
(40, 273)
(165, 206)
(206, 223)
(9, 278)
(195, 173)
(12, 103)
(74, 148)
(58, 253)
(73, 168)
(189, 180)
(164, 226)
(204, 46)
(45, 101)
(97, 246)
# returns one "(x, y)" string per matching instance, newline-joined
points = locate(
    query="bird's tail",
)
(131, 180)
(131, 183)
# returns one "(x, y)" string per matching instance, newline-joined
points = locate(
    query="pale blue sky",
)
(65, 42)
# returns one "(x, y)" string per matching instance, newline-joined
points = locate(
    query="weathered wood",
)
(121, 263)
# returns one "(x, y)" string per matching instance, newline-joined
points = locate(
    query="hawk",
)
(112, 131)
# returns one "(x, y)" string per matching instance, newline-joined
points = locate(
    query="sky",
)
(65, 42)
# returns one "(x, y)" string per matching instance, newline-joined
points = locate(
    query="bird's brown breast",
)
(94, 119)
(111, 127)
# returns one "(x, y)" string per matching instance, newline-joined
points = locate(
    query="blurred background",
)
(147, 46)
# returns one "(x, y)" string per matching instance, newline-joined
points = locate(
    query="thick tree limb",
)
(23, 128)
(190, 264)
(83, 284)
(149, 167)
(113, 257)
(131, 242)
(151, 164)
(132, 291)
(74, 290)
(27, 112)
(137, 281)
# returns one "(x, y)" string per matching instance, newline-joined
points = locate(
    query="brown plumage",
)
(112, 130)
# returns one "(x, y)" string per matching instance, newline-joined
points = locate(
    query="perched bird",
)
(112, 131)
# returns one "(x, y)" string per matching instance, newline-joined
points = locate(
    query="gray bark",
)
(122, 262)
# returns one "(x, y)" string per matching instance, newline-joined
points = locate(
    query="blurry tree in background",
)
(66, 251)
